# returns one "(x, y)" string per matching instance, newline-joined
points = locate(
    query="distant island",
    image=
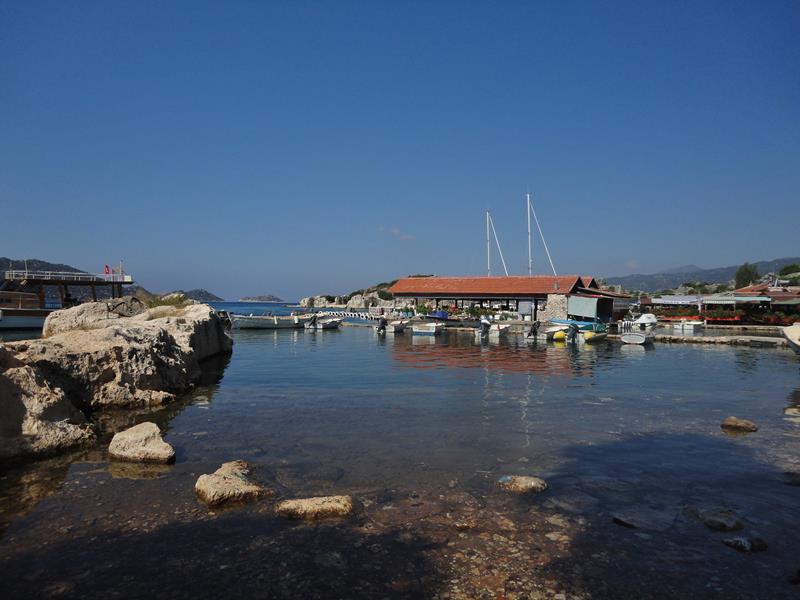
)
(265, 298)
(200, 295)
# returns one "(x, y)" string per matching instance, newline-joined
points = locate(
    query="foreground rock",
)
(321, 507)
(141, 443)
(737, 425)
(91, 360)
(522, 484)
(229, 483)
(35, 416)
(746, 544)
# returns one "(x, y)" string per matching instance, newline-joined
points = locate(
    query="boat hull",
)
(23, 318)
(429, 328)
(263, 322)
(636, 337)
(792, 335)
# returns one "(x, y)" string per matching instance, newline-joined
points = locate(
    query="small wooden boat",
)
(637, 337)
(494, 331)
(427, 328)
(268, 321)
(320, 324)
(792, 335)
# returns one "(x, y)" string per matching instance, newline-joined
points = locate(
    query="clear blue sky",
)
(306, 147)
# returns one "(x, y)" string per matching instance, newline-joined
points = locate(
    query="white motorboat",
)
(427, 328)
(398, 326)
(268, 321)
(792, 335)
(320, 324)
(637, 337)
(687, 325)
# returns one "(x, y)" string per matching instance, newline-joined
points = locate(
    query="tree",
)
(746, 275)
(790, 269)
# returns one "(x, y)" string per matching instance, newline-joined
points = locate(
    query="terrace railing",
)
(66, 277)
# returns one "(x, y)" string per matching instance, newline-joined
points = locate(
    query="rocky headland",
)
(113, 354)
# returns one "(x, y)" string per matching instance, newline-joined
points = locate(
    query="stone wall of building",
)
(556, 308)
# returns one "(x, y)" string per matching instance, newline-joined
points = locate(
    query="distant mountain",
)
(200, 295)
(265, 298)
(672, 278)
(682, 269)
(34, 264)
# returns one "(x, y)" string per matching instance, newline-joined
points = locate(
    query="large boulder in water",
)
(92, 315)
(141, 443)
(95, 362)
(36, 418)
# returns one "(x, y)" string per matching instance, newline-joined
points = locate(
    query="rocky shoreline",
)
(92, 358)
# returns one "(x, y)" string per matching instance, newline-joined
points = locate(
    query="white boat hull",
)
(687, 325)
(792, 335)
(324, 324)
(11, 318)
(268, 322)
(637, 337)
(427, 328)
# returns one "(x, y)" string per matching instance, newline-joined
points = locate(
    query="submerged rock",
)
(738, 425)
(228, 483)
(722, 520)
(746, 544)
(141, 443)
(522, 484)
(316, 508)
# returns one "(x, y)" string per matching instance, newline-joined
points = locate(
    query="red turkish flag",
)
(106, 270)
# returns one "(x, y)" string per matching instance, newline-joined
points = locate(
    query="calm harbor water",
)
(418, 431)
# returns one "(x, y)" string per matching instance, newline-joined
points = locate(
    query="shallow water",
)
(418, 430)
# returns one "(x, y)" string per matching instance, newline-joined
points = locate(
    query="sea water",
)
(418, 431)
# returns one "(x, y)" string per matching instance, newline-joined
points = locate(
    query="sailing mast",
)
(541, 235)
(490, 223)
(528, 213)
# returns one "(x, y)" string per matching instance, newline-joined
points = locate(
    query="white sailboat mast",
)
(541, 235)
(488, 249)
(528, 213)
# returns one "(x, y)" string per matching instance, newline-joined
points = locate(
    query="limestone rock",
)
(722, 520)
(746, 544)
(91, 361)
(735, 424)
(141, 443)
(316, 508)
(228, 483)
(522, 484)
(36, 418)
(91, 315)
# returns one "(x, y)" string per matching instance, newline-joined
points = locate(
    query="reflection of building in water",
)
(461, 351)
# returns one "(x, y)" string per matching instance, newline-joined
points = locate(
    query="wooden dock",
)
(756, 341)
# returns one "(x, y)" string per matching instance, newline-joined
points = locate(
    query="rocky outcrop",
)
(229, 483)
(141, 443)
(321, 507)
(322, 301)
(91, 360)
(737, 425)
(522, 484)
(92, 315)
(35, 416)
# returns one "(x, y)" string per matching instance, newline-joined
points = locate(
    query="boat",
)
(687, 325)
(593, 337)
(637, 337)
(323, 323)
(427, 328)
(792, 335)
(268, 321)
(642, 322)
(397, 326)
(493, 331)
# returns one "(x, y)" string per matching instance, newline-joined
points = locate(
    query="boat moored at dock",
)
(427, 328)
(316, 323)
(268, 321)
(792, 335)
